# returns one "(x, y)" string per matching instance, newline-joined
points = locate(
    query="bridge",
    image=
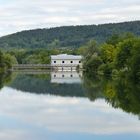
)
(24, 67)
(31, 66)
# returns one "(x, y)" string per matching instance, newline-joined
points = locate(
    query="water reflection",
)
(28, 116)
(5, 78)
(68, 77)
(120, 93)
(43, 84)
(68, 107)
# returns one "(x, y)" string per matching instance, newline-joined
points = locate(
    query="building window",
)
(63, 62)
(71, 62)
(63, 75)
(79, 61)
(71, 75)
(54, 61)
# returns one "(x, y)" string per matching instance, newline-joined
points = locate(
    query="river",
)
(67, 106)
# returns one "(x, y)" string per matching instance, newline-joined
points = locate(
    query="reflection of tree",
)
(5, 78)
(93, 87)
(126, 95)
(41, 84)
(121, 93)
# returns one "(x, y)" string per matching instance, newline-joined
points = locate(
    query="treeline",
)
(118, 56)
(6, 61)
(66, 37)
(37, 56)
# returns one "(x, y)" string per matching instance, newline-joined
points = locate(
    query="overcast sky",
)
(17, 15)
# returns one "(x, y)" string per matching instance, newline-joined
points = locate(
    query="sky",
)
(18, 15)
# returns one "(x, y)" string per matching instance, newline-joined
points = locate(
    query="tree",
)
(93, 64)
(91, 49)
(108, 53)
(134, 62)
(124, 53)
(9, 60)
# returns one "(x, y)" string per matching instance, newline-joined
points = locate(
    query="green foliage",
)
(9, 60)
(122, 55)
(1, 59)
(106, 69)
(5, 78)
(124, 52)
(108, 53)
(38, 56)
(121, 93)
(93, 64)
(116, 38)
(134, 62)
(91, 59)
(6, 61)
(68, 37)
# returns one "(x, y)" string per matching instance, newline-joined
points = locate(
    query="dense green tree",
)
(6, 61)
(134, 62)
(68, 37)
(1, 60)
(108, 53)
(91, 57)
(9, 60)
(93, 64)
(124, 52)
(120, 55)
(117, 38)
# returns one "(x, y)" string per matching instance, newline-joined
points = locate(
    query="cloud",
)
(24, 115)
(17, 15)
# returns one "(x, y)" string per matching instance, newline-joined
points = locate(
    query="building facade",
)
(68, 77)
(64, 62)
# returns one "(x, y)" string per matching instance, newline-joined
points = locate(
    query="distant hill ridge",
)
(67, 36)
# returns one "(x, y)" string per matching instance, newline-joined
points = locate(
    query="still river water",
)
(67, 106)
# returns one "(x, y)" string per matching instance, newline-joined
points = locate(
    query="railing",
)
(31, 65)
(43, 65)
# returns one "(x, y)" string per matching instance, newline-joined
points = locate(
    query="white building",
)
(64, 62)
(68, 77)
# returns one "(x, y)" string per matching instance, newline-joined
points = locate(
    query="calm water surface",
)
(66, 106)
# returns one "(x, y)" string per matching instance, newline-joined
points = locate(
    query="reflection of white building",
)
(66, 77)
(64, 62)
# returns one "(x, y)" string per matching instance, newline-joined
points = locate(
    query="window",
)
(71, 75)
(63, 62)
(79, 61)
(71, 61)
(54, 61)
(63, 75)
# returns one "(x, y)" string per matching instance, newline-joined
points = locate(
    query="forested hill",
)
(68, 36)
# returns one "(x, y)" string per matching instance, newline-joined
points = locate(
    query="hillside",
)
(68, 36)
